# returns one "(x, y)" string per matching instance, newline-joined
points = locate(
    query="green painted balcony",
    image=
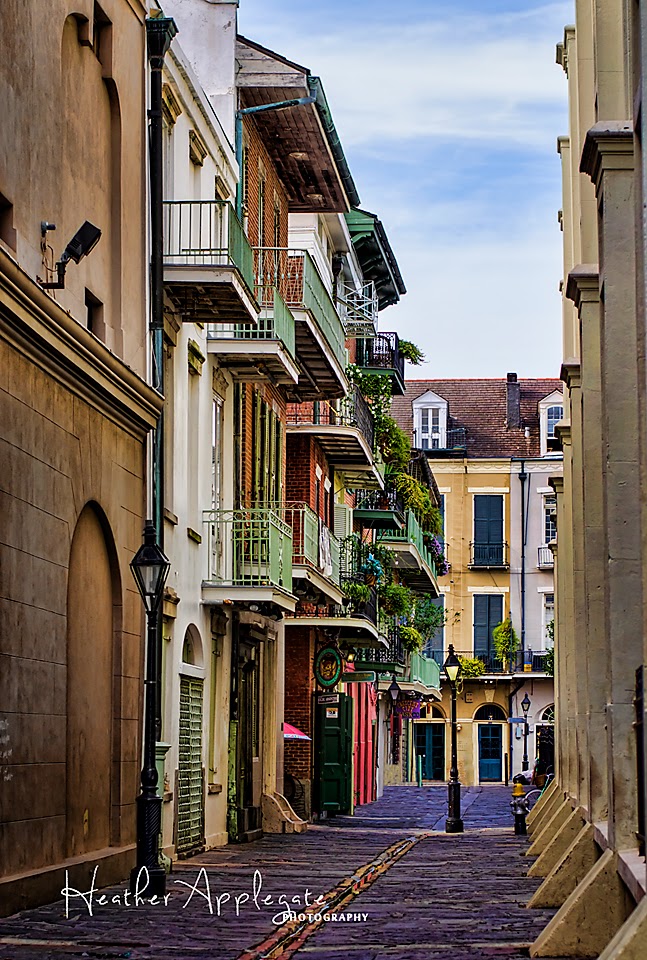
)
(319, 332)
(315, 554)
(424, 671)
(264, 352)
(249, 557)
(412, 557)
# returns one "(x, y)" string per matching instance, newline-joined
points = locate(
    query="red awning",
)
(292, 733)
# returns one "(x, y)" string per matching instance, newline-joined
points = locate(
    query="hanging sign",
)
(328, 666)
(407, 708)
(357, 676)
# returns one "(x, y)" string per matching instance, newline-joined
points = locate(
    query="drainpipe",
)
(159, 34)
(523, 476)
(511, 695)
(280, 105)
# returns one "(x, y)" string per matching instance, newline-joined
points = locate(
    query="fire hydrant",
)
(519, 806)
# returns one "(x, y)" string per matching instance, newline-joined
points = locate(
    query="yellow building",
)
(488, 444)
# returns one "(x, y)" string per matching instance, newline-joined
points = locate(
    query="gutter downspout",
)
(512, 694)
(523, 476)
(280, 105)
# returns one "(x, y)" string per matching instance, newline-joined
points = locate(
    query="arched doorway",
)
(430, 743)
(489, 720)
(190, 800)
(546, 742)
(93, 614)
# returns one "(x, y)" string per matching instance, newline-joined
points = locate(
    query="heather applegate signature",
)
(217, 903)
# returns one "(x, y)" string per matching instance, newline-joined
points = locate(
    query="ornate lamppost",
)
(150, 569)
(525, 706)
(453, 823)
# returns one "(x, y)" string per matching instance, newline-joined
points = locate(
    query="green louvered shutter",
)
(190, 815)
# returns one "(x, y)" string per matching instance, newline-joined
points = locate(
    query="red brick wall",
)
(257, 155)
(304, 455)
(299, 666)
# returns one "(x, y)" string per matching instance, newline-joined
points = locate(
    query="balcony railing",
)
(358, 309)
(454, 439)
(489, 554)
(274, 323)
(206, 233)
(351, 411)
(387, 500)
(313, 543)
(412, 533)
(545, 558)
(386, 659)
(381, 352)
(528, 662)
(422, 669)
(248, 548)
(296, 278)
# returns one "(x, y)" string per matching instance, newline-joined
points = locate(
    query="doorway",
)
(490, 742)
(334, 751)
(430, 744)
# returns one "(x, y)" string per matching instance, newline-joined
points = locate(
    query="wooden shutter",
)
(488, 518)
(190, 816)
(488, 612)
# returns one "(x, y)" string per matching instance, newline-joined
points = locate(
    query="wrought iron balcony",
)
(319, 331)
(521, 662)
(545, 558)
(381, 354)
(208, 263)
(344, 428)
(380, 509)
(358, 309)
(264, 351)
(249, 556)
(489, 555)
(386, 659)
(413, 556)
(455, 439)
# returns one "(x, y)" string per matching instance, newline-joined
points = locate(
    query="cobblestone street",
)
(397, 886)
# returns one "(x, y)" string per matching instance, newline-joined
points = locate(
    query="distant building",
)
(491, 447)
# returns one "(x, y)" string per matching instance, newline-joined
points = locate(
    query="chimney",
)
(513, 402)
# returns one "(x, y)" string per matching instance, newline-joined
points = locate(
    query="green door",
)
(334, 752)
(430, 744)
(190, 805)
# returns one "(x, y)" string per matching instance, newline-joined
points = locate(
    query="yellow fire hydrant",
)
(519, 806)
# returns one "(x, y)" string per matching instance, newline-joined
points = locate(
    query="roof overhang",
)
(302, 140)
(376, 256)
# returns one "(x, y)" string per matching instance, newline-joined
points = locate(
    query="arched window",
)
(192, 647)
(437, 713)
(490, 712)
(548, 716)
(553, 416)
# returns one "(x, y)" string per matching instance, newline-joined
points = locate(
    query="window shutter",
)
(481, 624)
(343, 521)
(488, 518)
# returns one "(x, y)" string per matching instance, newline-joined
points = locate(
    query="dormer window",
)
(551, 411)
(430, 422)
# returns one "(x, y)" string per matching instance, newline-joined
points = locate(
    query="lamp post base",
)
(147, 882)
(148, 878)
(453, 823)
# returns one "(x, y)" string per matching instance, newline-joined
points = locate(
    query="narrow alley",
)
(395, 883)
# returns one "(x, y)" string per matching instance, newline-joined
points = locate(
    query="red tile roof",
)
(480, 406)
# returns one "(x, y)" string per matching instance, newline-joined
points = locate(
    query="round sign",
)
(328, 666)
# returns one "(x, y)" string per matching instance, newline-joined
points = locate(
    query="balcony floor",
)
(217, 593)
(255, 359)
(357, 630)
(209, 294)
(323, 376)
(317, 579)
(418, 573)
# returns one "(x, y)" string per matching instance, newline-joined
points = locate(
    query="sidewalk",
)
(393, 886)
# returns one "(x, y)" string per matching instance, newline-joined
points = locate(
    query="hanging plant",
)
(505, 640)
(411, 639)
(396, 599)
(372, 569)
(411, 353)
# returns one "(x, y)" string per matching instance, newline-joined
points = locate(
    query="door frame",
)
(504, 746)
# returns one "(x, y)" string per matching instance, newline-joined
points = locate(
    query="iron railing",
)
(387, 499)
(423, 669)
(297, 279)
(411, 533)
(443, 439)
(358, 309)
(489, 554)
(206, 233)
(381, 352)
(248, 548)
(545, 557)
(313, 543)
(520, 662)
(383, 658)
(275, 323)
(351, 411)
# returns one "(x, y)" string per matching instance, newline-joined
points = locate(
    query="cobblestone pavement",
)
(396, 888)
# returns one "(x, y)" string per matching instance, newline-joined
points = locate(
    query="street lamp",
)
(394, 690)
(453, 823)
(525, 706)
(150, 569)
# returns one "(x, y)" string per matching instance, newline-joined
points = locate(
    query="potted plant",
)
(471, 667)
(358, 594)
(396, 599)
(506, 641)
(373, 570)
(411, 639)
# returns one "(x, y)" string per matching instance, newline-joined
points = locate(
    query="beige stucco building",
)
(75, 415)
(590, 829)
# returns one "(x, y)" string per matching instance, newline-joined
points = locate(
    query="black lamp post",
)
(525, 706)
(394, 690)
(453, 823)
(150, 569)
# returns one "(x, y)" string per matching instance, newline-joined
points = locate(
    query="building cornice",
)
(609, 145)
(557, 483)
(571, 373)
(583, 284)
(563, 433)
(37, 326)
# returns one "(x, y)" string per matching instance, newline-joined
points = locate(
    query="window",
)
(488, 613)
(94, 315)
(553, 416)
(7, 231)
(549, 617)
(488, 547)
(550, 526)
(261, 208)
(430, 422)
(490, 712)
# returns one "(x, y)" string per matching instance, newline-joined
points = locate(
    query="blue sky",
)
(449, 118)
